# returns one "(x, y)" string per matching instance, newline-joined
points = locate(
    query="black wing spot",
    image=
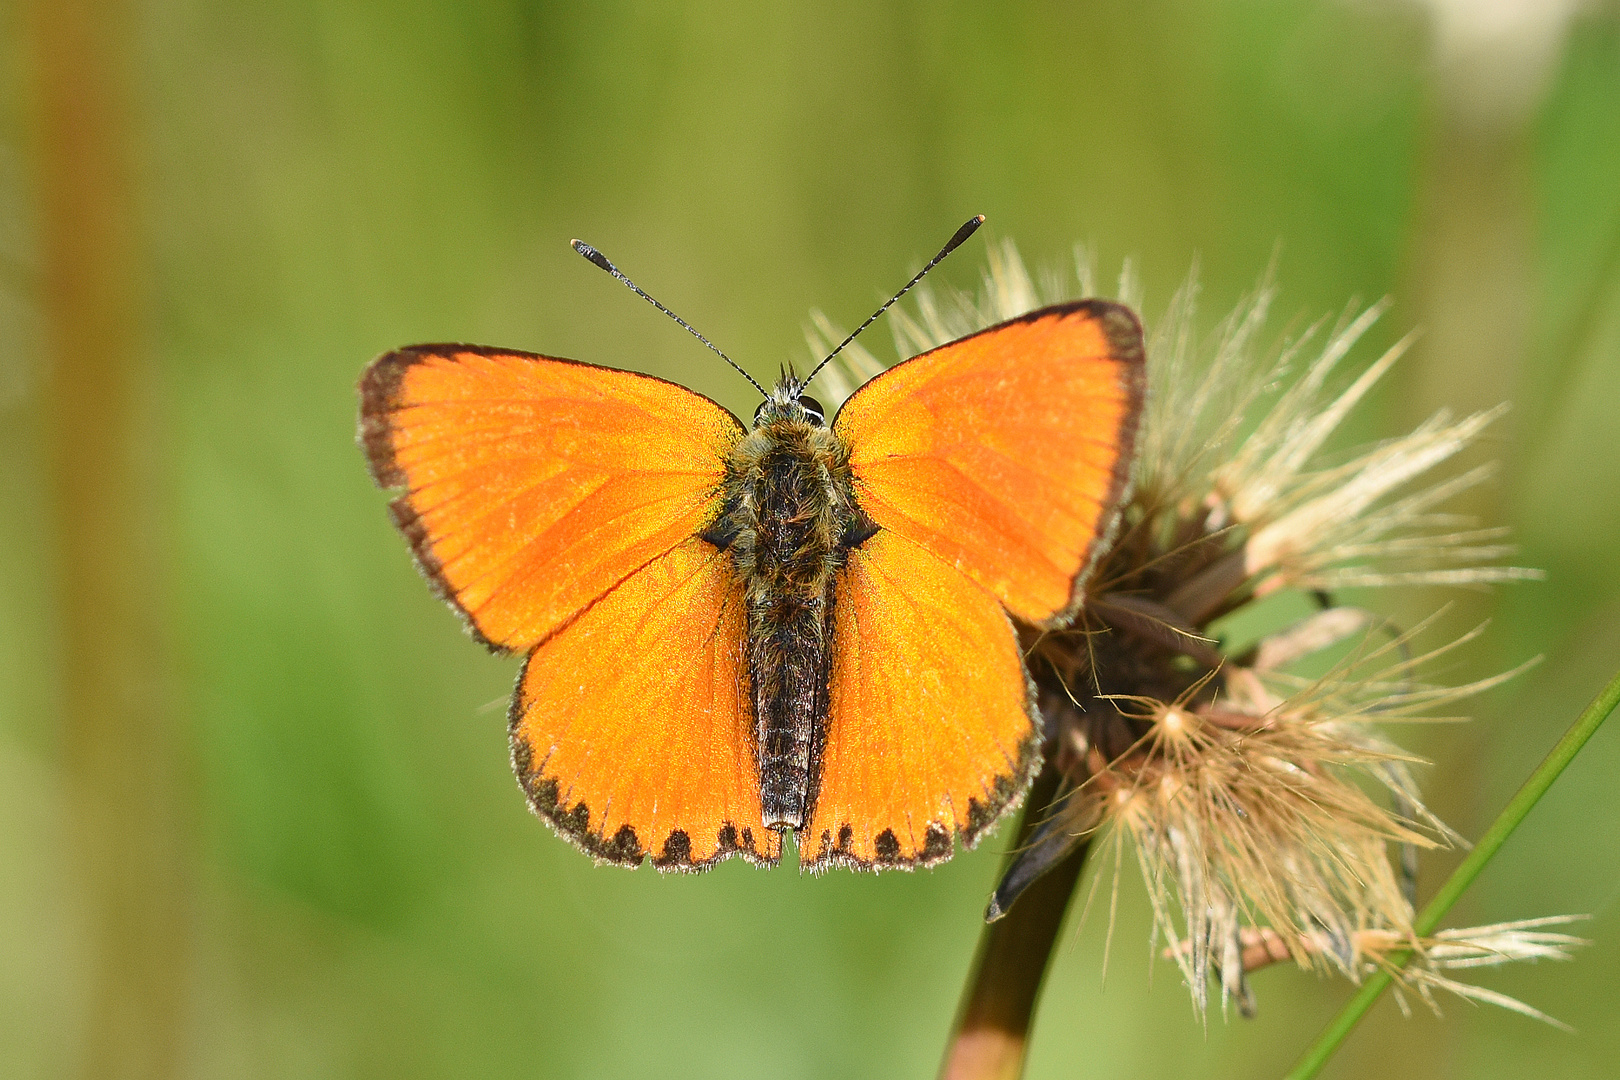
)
(543, 794)
(623, 847)
(888, 846)
(677, 850)
(577, 820)
(978, 817)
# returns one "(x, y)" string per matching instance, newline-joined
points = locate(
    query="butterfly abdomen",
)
(789, 509)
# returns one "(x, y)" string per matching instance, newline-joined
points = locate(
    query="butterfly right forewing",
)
(1006, 453)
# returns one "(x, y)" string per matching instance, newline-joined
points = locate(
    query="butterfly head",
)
(788, 402)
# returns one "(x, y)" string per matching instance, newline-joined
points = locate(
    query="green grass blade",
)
(1429, 920)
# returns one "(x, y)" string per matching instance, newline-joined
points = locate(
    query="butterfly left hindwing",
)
(554, 505)
(631, 727)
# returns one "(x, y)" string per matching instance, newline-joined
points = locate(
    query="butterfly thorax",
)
(790, 518)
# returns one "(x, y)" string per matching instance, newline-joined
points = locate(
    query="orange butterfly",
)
(734, 634)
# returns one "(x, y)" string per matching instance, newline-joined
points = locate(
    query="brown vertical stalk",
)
(990, 1038)
(117, 723)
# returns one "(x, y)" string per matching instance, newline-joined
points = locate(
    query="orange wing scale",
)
(535, 485)
(932, 730)
(1006, 453)
(633, 728)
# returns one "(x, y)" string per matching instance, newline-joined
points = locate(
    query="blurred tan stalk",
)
(117, 719)
(1470, 268)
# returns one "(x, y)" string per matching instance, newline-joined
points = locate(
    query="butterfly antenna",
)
(970, 227)
(602, 260)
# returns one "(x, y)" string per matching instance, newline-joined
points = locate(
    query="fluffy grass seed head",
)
(1270, 816)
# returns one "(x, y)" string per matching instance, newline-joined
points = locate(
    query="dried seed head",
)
(1262, 806)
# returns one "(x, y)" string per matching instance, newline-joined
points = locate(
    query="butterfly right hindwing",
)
(992, 468)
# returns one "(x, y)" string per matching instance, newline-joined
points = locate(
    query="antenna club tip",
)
(968, 228)
(592, 254)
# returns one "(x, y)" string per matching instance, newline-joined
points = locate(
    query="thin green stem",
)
(1429, 920)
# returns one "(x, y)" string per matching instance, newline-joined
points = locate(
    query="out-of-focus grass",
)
(325, 181)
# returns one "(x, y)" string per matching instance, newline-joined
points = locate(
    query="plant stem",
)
(990, 1037)
(1429, 920)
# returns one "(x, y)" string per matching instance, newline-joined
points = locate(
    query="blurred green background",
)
(302, 853)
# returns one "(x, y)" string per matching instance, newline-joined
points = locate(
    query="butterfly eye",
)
(813, 410)
(759, 413)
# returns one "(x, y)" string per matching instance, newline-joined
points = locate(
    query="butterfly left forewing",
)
(532, 484)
